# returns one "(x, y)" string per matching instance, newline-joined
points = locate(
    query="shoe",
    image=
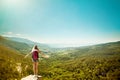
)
(39, 76)
(35, 77)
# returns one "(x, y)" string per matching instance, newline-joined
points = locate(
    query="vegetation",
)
(97, 62)
(12, 61)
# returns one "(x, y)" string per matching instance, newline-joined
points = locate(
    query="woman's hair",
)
(35, 47)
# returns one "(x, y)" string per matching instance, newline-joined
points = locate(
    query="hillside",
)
(43, 47)
(17, 46)
(97, 62)
(100, 49)
(23, 45)
(20, 40)
(12, 64)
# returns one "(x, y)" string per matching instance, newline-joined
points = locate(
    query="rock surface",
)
(32, 77)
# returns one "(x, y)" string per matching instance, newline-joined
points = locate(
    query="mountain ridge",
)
(96, 62)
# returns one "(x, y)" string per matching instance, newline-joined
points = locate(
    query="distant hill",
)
(20, 40)
(24, 45)
(29, 42)
(43, 47)
(106, 48)
(14, 45)
(99, 49)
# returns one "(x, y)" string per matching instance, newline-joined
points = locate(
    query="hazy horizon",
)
(61, 45)
(69, 22)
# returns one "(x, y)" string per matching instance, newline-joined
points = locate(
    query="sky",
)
(70, 22)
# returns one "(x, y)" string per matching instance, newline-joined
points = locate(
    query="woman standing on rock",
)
(35, 57)
(35, 60)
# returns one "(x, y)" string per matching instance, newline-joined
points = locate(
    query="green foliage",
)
(98, 62)
(10, 61)
(17, 46)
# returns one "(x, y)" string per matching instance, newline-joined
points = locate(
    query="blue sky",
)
(74, 22)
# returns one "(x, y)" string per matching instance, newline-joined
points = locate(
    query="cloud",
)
(11, 34)
(18, 34)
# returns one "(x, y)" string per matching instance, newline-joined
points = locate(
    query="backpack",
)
(35, 55)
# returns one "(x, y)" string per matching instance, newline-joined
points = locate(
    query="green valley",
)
(97, 62)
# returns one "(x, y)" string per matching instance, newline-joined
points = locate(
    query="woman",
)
(35, 57)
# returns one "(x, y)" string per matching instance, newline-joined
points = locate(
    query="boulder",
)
(32, 77)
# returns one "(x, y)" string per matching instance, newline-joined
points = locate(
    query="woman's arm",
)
(41, 52)
(44, 55)
(27, 55)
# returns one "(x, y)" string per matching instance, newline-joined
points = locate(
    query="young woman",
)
(35, 55)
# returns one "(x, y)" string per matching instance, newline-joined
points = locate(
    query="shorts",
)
(35, 60)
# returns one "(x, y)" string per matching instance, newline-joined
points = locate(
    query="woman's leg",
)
(36, 68)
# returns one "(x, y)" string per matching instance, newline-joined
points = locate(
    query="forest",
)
(96, 62)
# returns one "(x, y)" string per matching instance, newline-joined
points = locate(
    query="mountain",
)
(20, 40)
(24, 45)
(99, 49)
(43, 47)
(14, 45)
(97, 62)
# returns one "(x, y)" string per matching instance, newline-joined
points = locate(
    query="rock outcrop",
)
(32, 77)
